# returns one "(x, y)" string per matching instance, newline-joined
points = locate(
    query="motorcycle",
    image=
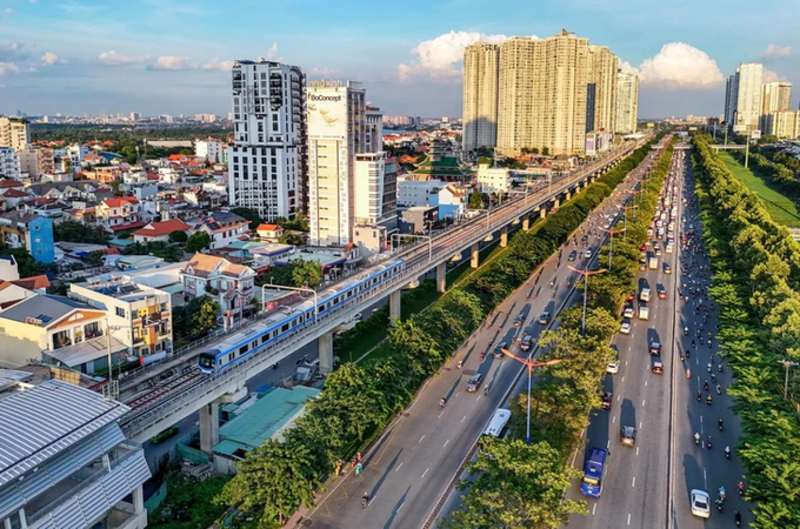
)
(696, 438)
(719, 368)
(708, 442)
(708, 400)
(727, 452)
(719, 389)
(364, 500)
(737, 516)
(720, 425)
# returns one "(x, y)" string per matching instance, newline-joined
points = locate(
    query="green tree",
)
(96, 258)
(306, 273)
(475, 200)
(545, 151)
(198, 241)
(272, 482)
(73, 231)
(485, 160)
(292, 238)
(178, 236)
(115, 188)
(517, 486)
(250, 215)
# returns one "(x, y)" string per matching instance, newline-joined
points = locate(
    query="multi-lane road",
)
(410, 467)
(649, 484)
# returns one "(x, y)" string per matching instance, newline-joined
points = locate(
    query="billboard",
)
(327, 113)
(650, 125)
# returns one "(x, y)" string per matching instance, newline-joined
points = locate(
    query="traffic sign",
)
(756, 134)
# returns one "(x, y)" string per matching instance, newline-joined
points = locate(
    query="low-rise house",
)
(452, 201)
(119, 214)
(15, 289)
(269, 232)
(66, 462)
(224, 228)
(160, 231)
(29, 231)
(229, 284)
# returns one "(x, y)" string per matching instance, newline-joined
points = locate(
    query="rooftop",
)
(44, 309)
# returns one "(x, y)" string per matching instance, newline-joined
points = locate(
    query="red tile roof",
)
(157, 229)
(15, 193)
(268, 227)
(124, 227)
(8, 182)
(152, 176)
(119, 202)
(176, 157)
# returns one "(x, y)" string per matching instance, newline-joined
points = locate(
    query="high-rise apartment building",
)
(542, 94)
(731, 91)
(745, 96)
(785, 125)
(776, 97)
(627, 103)
(267, 161)
(479, 116)
(14, 133)
(374, 134)
(336, 134)
(601, 91)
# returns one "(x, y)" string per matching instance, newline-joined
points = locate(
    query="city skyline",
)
(163, 67)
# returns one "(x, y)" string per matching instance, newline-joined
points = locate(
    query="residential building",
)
(776, 97)
(229, 284)
(419, 219)
(452, 201)
(374, 134)
(139, 316)
(269, 232)
(209, 149)
(601, 107)
(390, 193)
(627, 103)
(336, 133)
(267, 161)
(119, 214)
(542, 94)
(743, 97)
(413, 191)
(784, 125)
(10, 163)
(29, 231)
(160, 231)
(36, 161)
(223, 228)
(71, 158)
(494, 180)
(13, 289)
(368, 176)
(14, 133)
(66, 462)
(481, 77)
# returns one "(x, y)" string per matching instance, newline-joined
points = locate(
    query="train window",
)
(264, 338)
(243, 349)
(285, 327)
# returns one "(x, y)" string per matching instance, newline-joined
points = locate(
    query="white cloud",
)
(678, 65)
(216, 64)
(773, 51)
(50, 58)
(272, 52)
(768, 76)
(112, 58)
(6, 12)
(174, 62)
(441, 57)
(324, 72)
(8, 67)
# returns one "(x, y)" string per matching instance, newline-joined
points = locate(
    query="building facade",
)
(10, 166)
(481, 77)
(745, 100)
(627, 103)
(223, 228)
(30, 231)
(209, 150)
(601, 107)
(14, 133)
(776, 97)
(267, 161)
(517, 85)
(229, 284)
(784, 125)
(336, 133)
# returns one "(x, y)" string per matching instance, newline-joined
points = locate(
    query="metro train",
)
(293, 318)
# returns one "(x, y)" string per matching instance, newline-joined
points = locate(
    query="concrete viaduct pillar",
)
(543, 212)
(441, 278)
(475, 251)
(504, 237)
(394, 305)
(209, 426)
(526, 222)
(326, 353)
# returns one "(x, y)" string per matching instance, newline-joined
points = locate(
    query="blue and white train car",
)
(292, 319)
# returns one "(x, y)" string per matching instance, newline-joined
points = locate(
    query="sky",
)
(174, 56)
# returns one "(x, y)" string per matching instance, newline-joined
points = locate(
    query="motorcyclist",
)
(728, 451)
(719, 389)
(720, 424)
(699, 395)
(737, 517)
(705, 385)
(442, 402)
(365, 499)
(708, 399)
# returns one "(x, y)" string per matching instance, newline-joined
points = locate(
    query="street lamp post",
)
(530, 364)
(586, 273)
(611, 234)
(625, 219)
(787, 364)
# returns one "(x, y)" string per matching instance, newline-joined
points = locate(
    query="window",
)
(120, 312)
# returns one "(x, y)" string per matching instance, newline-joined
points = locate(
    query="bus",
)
(497, 425)
(592, 482)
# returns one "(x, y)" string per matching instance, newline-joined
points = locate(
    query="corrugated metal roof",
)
(11, 377)
(41, 422)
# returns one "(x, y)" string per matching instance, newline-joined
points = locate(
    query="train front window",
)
(207, 361)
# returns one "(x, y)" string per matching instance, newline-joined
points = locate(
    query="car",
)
(527, 340)
(658, 368)
(587, 254)
(643, 247)
(625, 328)
(584, 238)
(662, 293)
(658, 252)
(519, 319)
(498, 351)
(701, 503)
(572, 255)
(628, 312)
(667, 268)
(632, 296)
(627, 435)
(655, 349)
(474, 382)
(608, 399)
(613, 367)
(544, 318)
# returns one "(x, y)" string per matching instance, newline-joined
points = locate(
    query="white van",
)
(644, 295)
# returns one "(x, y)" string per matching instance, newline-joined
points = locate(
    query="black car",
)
(474, 382)
(627, 435)
(519, 319)
(498, 351)
(572, 255)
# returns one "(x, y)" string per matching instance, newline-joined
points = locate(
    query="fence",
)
(155, 500)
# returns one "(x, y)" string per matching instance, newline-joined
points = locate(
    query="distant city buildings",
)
(776, 97)
(14, 133)
(266, 163)
(743, 92)
(209, 149)
(627, 103)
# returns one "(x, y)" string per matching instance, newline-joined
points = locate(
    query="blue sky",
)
(172, 56)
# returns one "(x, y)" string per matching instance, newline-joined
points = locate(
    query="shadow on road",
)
(389, 467)
(397, 506)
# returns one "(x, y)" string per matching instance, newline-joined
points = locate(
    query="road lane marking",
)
(464, 418)
(457, 394)
(619, 397)
(629, 518)
(645, 383)
(440, 415)
(705, 479)
(426, 471)
(398, 467)
(637, 450)
(445, 443)
(623, 379)
(633, 484)
(594, 508)
(479, 398)
(643, 403)
(398, 509)
(614, 419)
(421, 438)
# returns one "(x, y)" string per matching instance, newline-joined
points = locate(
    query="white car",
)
(701, 503)
(587, 254)
(628, 312)
(613, 367)
(625, 328)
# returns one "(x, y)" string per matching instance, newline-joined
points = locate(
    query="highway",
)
(166, 406)
(649, 484)
(410, 467)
